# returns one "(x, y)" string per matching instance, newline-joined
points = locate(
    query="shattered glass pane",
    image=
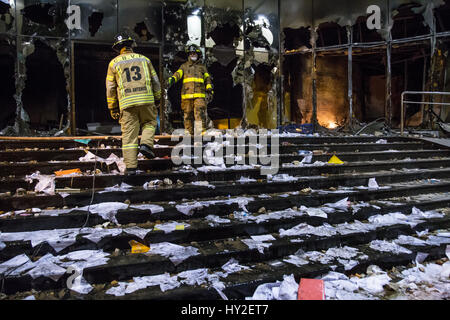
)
(7, 16)
(98, 20)
(143, 21)
(44, 18)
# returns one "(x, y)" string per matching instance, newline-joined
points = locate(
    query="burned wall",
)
(242, 42)
(380, 63)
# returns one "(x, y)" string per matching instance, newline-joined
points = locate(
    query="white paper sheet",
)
(233, 266)
(386, 246)
(173, 252)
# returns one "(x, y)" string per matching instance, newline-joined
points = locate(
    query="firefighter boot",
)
(147, 151)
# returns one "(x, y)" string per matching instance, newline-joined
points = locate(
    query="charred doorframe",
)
(73, 127)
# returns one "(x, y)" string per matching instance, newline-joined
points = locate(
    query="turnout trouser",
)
(131, 121)
(194, 109)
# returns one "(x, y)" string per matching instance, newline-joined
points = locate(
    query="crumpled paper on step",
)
(296, 260)
(46, 183)
(282, 177)
(194, 277)
(354, 227)
(245, 180)
(97, 234)
(386, 246)
(203, 184)
(173, 252)
(46, 267)
(233, 266)
(53, 266)
(171, 226)
(153, 208)
(113, 158)
(285, 290)
(16, 262)
(215, 220)
(394, 218)
(137, 231)
(106, 210)
(325, 230)
(165, 282)
(343, 204)
(189, 208)
(259, 242)
(123, 188)
(58, 239)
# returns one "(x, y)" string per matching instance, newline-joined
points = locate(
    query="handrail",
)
(402, 114)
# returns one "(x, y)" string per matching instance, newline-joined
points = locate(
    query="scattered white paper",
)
(173, 252)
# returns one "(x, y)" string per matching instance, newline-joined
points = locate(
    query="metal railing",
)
(423, 93)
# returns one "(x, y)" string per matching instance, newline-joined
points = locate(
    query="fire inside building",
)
(347, 100)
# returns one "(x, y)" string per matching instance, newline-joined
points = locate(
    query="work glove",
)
(170, 82)
(115, 114)
(157, 102)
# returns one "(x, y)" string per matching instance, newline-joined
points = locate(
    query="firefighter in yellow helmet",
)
(196, 82)
(132, 89)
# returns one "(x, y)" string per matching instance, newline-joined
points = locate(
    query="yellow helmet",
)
(122, 40)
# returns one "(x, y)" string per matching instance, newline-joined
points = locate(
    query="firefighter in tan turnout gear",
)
(132, 88)
(196, 82)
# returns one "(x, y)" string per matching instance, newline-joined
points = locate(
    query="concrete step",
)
(174, 192)
(10, 169)
(200, 229)
(214, 253)
(69, 142)
(74, 154)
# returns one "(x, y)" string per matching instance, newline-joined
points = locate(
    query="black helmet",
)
(122, 40)
(193, 48)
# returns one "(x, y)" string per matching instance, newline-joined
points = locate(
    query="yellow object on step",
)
(137, 247)
(335, 160)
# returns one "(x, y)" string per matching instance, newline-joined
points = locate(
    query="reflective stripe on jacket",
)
(196, 79)
(131, 81)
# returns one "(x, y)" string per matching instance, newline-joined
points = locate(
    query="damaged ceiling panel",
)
(98, 20)
(142, 21)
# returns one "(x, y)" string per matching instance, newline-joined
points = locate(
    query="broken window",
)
(223, 36)
(331, 34)
(261, 71)
(409, 69)
(91, 65)
(7, 82)
(407, 23)
(45, 19)
(95, 22)
(369, 83)
(45, 96)
(441, 15)
(6, 17)
(332, 89)
(98, 20)
(143, 20)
